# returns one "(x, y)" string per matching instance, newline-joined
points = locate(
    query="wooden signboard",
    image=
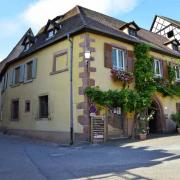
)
(98, 129)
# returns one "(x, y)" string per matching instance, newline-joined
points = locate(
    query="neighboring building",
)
(168, 28)
(35, 77)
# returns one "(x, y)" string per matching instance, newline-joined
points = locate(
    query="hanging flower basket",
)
(122, 75)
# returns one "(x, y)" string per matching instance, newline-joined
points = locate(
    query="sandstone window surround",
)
(43, 107)
(27, 106)
(60, 62)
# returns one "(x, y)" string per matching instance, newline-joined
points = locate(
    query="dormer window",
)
(173, 44)
(28, 41)
(175, 47)
(130, 29)
(51, 28)
(132, 32)
(27, 46)
(51, 33)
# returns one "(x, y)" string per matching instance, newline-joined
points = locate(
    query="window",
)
(27, 106)
(157, 68)
(30, 70)
(118, 59)
(17, 75)
(51, 33)
(170, 34)
(29, 67)
(177, 73)
(43, 106)
(27, 46)
(132, 32)
(15, 110)
(60, 62)
(175, 47)
(178, 107)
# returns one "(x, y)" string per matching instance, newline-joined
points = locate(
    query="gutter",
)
(71, 92)
(85, 28)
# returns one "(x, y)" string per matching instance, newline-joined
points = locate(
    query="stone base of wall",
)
(53, 136)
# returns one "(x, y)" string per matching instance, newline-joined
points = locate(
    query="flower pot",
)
(178, 130)
(142, 136)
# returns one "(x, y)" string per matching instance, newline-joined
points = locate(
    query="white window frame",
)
(178, 78)
(51, 33)
(155, 66)
(117, 60)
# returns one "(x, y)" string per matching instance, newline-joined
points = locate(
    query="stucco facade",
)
(86, 73)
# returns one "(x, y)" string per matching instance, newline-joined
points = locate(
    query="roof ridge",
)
(81, 14)
(110, 17)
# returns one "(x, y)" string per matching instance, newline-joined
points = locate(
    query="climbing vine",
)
(137, 100)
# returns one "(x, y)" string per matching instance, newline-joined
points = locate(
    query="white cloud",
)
(39, 12)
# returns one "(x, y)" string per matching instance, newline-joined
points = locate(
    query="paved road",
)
(25, 159)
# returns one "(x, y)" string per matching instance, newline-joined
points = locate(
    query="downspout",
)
(71, 91)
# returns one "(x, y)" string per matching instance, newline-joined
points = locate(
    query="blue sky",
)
(18, 15)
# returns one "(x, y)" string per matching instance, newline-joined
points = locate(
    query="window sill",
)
(28, 81)
(60, 71)
(44, 119)
(14, 120)
(15, 85)
(158, 76)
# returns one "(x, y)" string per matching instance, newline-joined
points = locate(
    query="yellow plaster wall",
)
(56, 86)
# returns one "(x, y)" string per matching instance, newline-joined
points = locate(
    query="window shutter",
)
(165, 69)
(34, 68)
(161, 67)
(10, 77)
(13, 76)
(130, 61)
(107, 55)
(25, 72)
(21, 78)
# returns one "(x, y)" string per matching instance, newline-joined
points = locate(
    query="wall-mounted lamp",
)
(165, 108)
(87, 54)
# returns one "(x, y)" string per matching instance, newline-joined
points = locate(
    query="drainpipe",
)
(71, 92)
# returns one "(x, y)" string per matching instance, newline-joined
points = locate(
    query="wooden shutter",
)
(107, 55)
(165, 69)
(13, 76)
(34, 68)
(10, 77)
(130, 61)
(161, 67)
(21, 78)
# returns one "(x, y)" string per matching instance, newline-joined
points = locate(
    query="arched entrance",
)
(157, 124)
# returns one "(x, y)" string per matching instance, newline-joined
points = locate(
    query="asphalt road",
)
(26, 159)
